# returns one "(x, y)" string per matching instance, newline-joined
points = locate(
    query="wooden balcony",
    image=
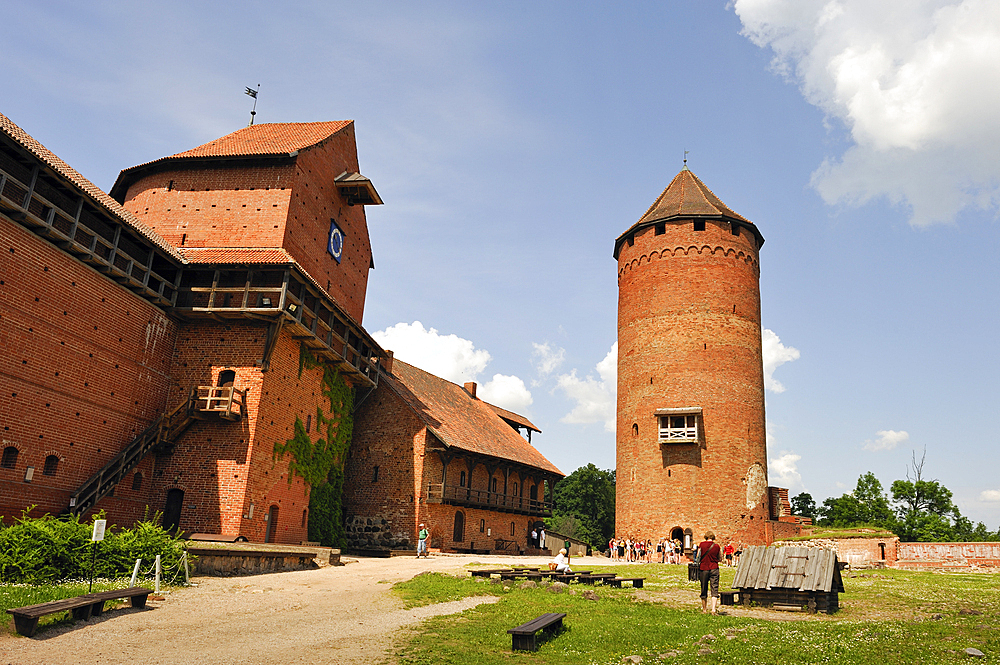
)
(473, 498)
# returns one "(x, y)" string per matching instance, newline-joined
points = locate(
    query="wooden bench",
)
(617, 581)
(523, 637)
(488, 572)
(728, 597)
(596, 577)
(83, 607)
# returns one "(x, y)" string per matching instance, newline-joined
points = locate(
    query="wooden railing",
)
(466, 496)
(226, 401)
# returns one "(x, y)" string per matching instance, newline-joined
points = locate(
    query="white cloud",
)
(783, 471)
(989, 495)
(887, 440)
(775, 355)
(447, 356)
(915, 82)
(547, 358)
(594, 396)
(508, 392)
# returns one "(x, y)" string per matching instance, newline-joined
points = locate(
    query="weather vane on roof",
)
(685, 157)
(253, 93)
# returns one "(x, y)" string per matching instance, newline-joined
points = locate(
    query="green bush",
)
(38, 550)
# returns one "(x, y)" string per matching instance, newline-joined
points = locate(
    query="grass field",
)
(886, 616)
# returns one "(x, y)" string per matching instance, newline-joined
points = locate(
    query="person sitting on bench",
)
(562, 562)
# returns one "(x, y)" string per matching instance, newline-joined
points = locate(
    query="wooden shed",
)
(795, 576)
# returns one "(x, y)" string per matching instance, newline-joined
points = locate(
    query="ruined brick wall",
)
(949, 554)
(689, 335)
(381, 512)
(84, 369)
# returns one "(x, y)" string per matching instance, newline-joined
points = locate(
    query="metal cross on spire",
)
(253, 93)
(685, 160)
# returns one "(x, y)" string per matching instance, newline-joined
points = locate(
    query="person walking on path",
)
(422, 541)
(728, 551)
(708, 555)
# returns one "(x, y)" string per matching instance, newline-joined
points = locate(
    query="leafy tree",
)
(803, 504)
(874, 505)
(843, 511)
(585, 501)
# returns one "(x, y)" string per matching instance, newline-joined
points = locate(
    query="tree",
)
(804, 505)
(873, 502)
(587, 496)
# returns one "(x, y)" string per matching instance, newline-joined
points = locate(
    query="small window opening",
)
(227, 377)
(631, 240)
(461, 479)
(660, 229)
(512, 531)
(635, 429)
(699, 225)
(734, 229)
(881, 549)
(51, 464)
(493, 484)
(482, 526)
(184, 238)
(305, 514)
(170, 186)
(515, 489)
(136, 482)
(9, 460)
(375, 474)
(309, 422)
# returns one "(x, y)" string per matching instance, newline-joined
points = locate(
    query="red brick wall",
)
(689, 336)
(223, 467)
(84, 369)
(232, 206)
(389, 435)
(315, 201)
(943, 554)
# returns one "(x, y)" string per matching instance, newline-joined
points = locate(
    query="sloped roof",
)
(801, 568)
(687, 197)
(268, 140)
(460, 420)
(241, 255)
(515, 418)
(96, 194)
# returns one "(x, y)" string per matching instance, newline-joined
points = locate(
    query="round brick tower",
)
(691, 444)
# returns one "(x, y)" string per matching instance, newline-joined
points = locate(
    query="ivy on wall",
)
(321, 462)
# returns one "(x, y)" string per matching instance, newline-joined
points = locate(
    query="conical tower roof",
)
(687, 197)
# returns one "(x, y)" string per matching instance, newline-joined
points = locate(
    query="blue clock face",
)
(335, 243)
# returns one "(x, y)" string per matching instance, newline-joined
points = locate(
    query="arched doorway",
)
(272, 525)
(459, 535)
(227, 377)
(677, 533)
(172, 509)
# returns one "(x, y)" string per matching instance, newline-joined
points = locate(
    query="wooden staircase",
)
(202, 403)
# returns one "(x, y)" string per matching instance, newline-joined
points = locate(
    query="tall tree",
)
(803, 504)
(585, 500)
(873, 502)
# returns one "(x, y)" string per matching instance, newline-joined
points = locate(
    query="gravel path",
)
(342, 614)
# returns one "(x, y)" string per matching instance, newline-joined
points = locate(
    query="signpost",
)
(95, 537)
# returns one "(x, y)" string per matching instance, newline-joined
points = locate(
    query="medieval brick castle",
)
(166, 344)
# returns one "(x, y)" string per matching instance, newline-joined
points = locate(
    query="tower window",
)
(9, 460)
(734, 229)
(375, 474)
(678, 428)
(461, 479)
(136, 482)
(660, 229)
(631, 240)
(699, 225)
(51, 464)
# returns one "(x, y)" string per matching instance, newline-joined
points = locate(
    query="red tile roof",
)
(242, 255)
(267, 139)
(75, 179)
(687, 196)
(461, 421)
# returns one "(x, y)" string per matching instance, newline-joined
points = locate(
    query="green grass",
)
(815, 532)
(885, 617)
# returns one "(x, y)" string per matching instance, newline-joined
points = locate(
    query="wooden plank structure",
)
(803, 576)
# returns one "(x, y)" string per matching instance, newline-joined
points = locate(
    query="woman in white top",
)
(561, 564)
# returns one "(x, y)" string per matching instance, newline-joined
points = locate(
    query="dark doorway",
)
(226, 378)
(881, 549)
(533, 492)
(459, 535)
(677, 534)
(172, 509)
(272, 525)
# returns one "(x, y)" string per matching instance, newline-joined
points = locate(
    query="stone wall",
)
(944, 555)
(374, 533)
(232, 563)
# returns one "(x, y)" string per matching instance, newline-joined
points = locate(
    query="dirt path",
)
(340, 614)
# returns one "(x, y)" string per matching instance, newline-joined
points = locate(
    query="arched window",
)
(515, 490)
(482, 526)
(635, 429)
(493, 484)
(9, 460)
(136, 481)
(51, 464)
(459, 531)
(227, 377)
(305, 514)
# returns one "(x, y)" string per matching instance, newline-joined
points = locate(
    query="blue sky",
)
(513, 142)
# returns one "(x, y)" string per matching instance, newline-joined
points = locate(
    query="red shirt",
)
(709, 555)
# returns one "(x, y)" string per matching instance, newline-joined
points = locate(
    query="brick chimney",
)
(387, 363)
(470, 388)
